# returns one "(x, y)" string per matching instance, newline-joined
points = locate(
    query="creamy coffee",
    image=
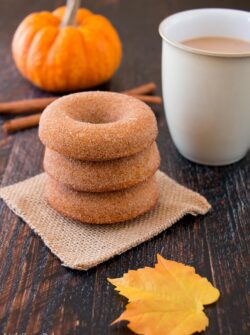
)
(219, 44)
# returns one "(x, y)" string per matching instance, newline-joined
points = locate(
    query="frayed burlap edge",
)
(83, 246)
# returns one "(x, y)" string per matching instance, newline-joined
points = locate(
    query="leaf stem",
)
(71, 12)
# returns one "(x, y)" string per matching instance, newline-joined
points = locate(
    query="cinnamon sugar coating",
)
(103, 176)
(106, 207)
(100, 156)
(97, 126)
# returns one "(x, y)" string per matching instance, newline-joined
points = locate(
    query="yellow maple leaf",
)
(167, 299)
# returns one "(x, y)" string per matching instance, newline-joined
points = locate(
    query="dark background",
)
(37, 294)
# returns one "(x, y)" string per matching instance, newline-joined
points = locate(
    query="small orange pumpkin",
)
(67, 49)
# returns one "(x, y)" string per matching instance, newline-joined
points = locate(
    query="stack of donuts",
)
(101, 156)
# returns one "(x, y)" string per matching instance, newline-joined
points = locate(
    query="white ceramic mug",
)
(206, 94)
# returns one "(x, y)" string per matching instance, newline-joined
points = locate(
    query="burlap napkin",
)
(82, 246)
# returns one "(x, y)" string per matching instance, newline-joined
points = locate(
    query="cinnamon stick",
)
(142, 89)
(38, 105)
(25, 106)
(33, 120)
(21, 123)
(149, 99)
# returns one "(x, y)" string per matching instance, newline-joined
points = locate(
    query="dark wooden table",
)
(38, 295)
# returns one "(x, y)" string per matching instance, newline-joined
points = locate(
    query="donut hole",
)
(96, 109)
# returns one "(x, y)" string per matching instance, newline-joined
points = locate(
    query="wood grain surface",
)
(37, 294)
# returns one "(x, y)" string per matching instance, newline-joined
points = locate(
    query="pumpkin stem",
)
(71, 12)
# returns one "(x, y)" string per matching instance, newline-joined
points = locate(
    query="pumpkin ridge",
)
(88, 26)
(66, 74)
(29, 68)
(52, 51)
(48, 54)
(108, 41)
(28, 54)
(44, 18)
(59, 13)
(102, 64)
(86, 11)
(23, 67)
(24, 29)
(89, 70)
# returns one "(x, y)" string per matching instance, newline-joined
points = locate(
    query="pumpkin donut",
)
(107, 207)
(97, 126)
(103, 176)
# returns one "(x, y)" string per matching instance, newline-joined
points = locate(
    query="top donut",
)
(96, 126)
